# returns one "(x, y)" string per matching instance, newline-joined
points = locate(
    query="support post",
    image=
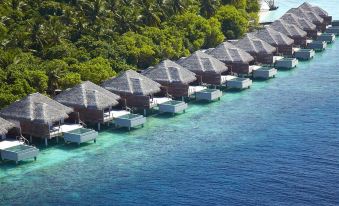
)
(30, 139)
(46, 142)
(98, 126)
(57, 140)
(145, 112)
(183, 98)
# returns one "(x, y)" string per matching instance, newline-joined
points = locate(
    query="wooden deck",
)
(316, 45)
(261, 72)
(130, 120)
(14, 150)
(304, 54)
(233, 82)
(285, 63)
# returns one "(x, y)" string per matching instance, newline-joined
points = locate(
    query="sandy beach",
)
(264, 11)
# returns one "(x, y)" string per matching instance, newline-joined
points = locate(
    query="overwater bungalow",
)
(14, 149)
(174, 79)
(92, 104)
(291, 30)
(138, 91)
(311, 16)
(303, 23)
(280, 41)
(211, 71)
(237, 60)
(240, 62)
(40, 116)
(319, 11)
(262, 51)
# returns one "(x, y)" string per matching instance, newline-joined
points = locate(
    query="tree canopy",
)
(55, 44)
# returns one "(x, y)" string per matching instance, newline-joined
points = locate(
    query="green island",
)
(55, 44)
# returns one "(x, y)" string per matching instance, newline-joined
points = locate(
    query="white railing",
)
(22, 139)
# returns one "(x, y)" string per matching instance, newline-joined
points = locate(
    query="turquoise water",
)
(274, 144)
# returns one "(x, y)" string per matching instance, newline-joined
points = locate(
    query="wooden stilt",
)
(98, 126)
(145, 112)
(46, 142)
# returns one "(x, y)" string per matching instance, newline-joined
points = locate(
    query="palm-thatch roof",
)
(170, 72)
(273, 37)
(309, 15)
(290, 30)
(309, 7)
(5, 126)
(133, 83)
(200, 62)
(320, 11)
(304, 24)
(36, 108)
(88, 95)
(252, 44)
(229, 53)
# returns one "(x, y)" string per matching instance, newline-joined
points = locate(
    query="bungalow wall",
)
(137, 101)
(300, 41)
(34, 129)
(239, 68)
(286, 50)
(211, 78)
(312, 34)
(263, 58)
(321, 26)
(327, 19)
(87, 115)
(176, 90)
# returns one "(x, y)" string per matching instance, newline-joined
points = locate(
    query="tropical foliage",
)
(54, 44)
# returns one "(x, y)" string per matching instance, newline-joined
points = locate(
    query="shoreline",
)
(263, 12)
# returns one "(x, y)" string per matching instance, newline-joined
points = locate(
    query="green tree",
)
(96, 70)
(198, 31)
(233, 22)
(69, 80)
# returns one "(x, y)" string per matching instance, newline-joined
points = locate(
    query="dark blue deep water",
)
(275, 144)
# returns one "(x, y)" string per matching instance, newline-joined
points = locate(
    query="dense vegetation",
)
(54, 44)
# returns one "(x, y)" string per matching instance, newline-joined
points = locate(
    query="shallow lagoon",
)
(276, 143)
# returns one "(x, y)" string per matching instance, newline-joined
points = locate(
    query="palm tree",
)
(148, 15)
(208, 7)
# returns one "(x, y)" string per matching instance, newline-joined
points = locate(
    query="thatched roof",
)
(5, 126)
(273, 37)
(290, 30)
(131, 82)
(36, 108)
(88, 95)
(320, 11)
(309, 7)
(229, 53)
(304, 24)
(169, 72)
(200, 62)
(309, 15)
(252, 44)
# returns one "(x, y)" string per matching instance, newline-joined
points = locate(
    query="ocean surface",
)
(275, 144)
